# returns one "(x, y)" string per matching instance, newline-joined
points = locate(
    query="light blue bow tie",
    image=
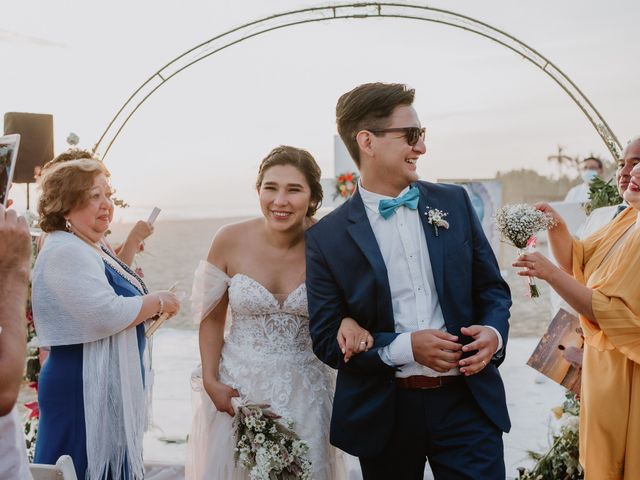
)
(410, 199)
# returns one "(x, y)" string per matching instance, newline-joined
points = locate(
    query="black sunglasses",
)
(412, 134)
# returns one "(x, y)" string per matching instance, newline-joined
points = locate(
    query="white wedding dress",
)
(267, 357)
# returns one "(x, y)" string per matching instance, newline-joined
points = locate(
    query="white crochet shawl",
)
(74, 303)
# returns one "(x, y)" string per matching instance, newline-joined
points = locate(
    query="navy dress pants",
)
(446, 426)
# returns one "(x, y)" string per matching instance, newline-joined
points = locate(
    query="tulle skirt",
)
(297, 386)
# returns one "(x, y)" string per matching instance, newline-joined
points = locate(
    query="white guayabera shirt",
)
(414, 298)
(14, 464)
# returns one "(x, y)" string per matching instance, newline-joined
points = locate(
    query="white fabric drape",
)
(74, 303)
(209, 285)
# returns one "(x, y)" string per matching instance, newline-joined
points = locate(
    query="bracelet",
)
(159, 314)
(161, 306)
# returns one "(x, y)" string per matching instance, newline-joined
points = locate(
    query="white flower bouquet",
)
(267, 446)
(518, 224)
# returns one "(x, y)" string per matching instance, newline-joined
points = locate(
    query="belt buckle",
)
(438, 385)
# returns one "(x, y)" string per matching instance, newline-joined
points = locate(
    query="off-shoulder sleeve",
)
(209, 286)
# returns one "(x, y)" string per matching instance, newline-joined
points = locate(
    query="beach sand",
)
(172, 254)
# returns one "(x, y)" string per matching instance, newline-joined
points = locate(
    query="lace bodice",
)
(263, 324)
(267, 357)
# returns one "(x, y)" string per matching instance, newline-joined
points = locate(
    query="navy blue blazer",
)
(346, 276)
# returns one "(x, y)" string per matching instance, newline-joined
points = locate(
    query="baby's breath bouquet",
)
(267, 446)
(518, 224)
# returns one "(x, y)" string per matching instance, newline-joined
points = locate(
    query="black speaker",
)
(36, 142)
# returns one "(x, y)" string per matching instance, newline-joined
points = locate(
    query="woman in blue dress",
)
(89, 308)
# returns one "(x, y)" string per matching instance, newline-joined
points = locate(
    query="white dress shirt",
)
(14, 463)
(414, 299)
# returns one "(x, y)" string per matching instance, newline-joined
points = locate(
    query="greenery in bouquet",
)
(602, 194)
(267, 446)
(518, 225)
(345, 185)
(561, 462)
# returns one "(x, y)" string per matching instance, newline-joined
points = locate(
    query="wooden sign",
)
(559, 352)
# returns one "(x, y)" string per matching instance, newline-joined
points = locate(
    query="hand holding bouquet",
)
(267, 446)
(518, 225)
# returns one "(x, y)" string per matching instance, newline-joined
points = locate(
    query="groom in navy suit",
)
(409, 262)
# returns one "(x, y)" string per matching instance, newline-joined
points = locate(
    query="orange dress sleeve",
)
(615, 283)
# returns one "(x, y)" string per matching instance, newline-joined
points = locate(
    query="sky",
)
(194, 146)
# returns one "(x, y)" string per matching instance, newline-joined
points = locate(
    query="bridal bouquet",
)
(518, 224)
(267, 446)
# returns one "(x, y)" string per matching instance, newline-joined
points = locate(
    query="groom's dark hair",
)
(368, 106)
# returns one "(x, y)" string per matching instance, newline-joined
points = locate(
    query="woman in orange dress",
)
(599, 277)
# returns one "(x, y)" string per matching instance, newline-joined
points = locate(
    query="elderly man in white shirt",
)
(601, 216)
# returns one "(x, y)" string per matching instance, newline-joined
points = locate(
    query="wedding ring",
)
(363, 343)
(484, 364)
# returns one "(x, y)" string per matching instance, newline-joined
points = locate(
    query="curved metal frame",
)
(354, 11)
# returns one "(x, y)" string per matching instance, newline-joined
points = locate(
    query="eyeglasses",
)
(412, 134)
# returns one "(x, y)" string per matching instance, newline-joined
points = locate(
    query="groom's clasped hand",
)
(482, 348)
(442, 351)
(435, 349)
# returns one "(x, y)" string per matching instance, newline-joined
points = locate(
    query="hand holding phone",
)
(8, 155)
(154, 214)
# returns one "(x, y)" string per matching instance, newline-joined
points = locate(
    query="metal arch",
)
(354, 11)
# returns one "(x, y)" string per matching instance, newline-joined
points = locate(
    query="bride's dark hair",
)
(303, 161)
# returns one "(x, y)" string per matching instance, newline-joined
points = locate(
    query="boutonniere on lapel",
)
(436, 218)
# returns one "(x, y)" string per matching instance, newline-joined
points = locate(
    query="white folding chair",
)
(62, 470)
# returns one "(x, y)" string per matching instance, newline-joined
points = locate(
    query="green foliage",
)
(561, 461)
(602, 194)
(30, 434)
(118, 202)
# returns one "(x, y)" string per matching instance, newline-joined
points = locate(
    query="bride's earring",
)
(67, 225)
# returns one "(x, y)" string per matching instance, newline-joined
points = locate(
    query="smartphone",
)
(8, 155)
(154, 214)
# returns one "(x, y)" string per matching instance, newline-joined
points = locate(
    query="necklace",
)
(108, 258)
(140, 286)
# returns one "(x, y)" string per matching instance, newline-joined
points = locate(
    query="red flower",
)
(34, 410)
(34, 385)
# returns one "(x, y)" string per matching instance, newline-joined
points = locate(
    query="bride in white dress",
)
(257, 268)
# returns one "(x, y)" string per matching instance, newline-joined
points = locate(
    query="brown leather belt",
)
(424, 382)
